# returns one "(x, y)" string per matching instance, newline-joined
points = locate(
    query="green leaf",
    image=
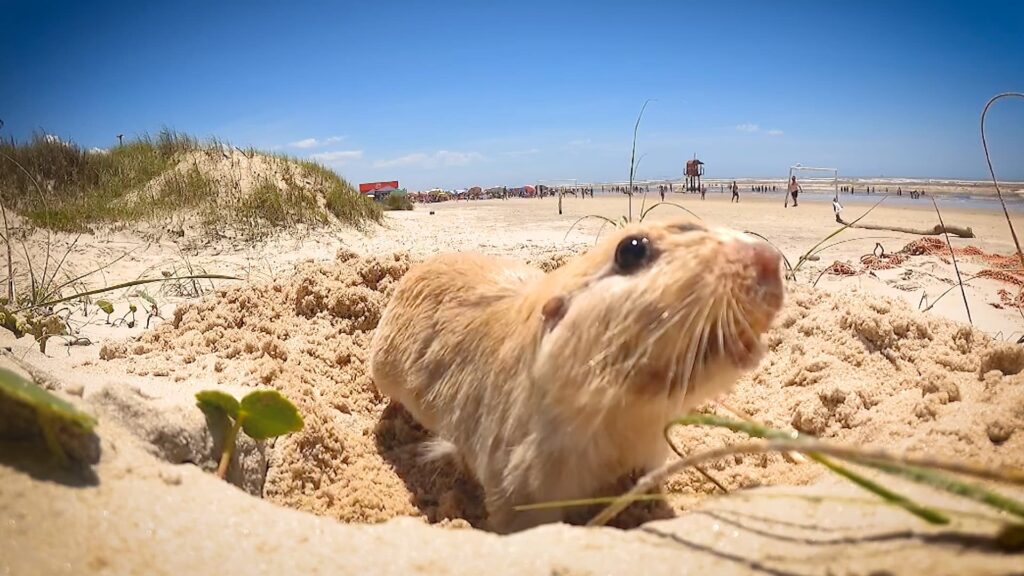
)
(145, 296)
(106, 306)
(218, 401)
(265, 414)
(46, 404)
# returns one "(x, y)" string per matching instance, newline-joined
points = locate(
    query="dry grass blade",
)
(755, 429)
(814, 249)
(632, 159)
(992, 172)
(956, 267)
(57, 289)
(644, 213)
(837, 243)
(759, 430)
(581, 219)
(47, 283)
(125, 285)
(919, 470)
(951, 288)
(10, 256)
(703, 471)
(583, 502)
(785, 261)
(651, 480)
(39, 190)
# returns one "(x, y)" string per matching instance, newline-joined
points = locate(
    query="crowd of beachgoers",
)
(543, 191)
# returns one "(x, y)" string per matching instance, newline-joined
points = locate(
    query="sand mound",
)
(236, 174)
(853, 368)
(869, 371)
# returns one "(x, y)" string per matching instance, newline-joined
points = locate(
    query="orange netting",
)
(882, 261)
(841, 269)
(1001, 267)
(1015, 278)
(1011, 298)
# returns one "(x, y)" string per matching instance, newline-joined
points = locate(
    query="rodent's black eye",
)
(632, 253)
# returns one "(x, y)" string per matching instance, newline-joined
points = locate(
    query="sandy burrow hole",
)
(852, 368)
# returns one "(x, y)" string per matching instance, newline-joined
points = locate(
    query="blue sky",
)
(457, 94)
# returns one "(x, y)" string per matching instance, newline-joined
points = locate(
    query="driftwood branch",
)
(937, 230)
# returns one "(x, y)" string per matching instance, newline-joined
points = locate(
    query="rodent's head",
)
(661, 309)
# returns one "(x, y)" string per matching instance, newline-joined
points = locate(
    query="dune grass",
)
(61, 186)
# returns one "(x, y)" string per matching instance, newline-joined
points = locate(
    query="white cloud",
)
(307, 143)
(98, 150)
(526, 152)
(581, 142)
(748, 127)
(54, 139)
(775, 132)
(441, 158)
(337, 156)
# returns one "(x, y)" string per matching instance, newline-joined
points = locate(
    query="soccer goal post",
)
(800, 168)
(558, 184)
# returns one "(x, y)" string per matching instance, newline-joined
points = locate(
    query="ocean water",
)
(1014, 202)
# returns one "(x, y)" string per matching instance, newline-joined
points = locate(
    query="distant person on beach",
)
(793, 190)
(703, 191)
(899, 191)
(735, 193)
(838, 209)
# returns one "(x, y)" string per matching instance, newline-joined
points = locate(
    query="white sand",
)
(144, 515)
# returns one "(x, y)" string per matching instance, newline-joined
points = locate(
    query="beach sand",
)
(853, 360)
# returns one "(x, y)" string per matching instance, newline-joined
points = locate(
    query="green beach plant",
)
(261, 414)
(55, 418)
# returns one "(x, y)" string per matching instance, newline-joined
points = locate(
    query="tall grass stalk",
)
(104, 289)
(632, 157)
(919, 470)
(992, 172)
(956, 267)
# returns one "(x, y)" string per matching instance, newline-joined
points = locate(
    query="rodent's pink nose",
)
(768, 263)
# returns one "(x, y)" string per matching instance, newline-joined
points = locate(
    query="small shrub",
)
(398, 202)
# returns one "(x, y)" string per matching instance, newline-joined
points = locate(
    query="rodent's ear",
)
(553, 311)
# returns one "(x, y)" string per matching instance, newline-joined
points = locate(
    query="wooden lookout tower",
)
(694, 170)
